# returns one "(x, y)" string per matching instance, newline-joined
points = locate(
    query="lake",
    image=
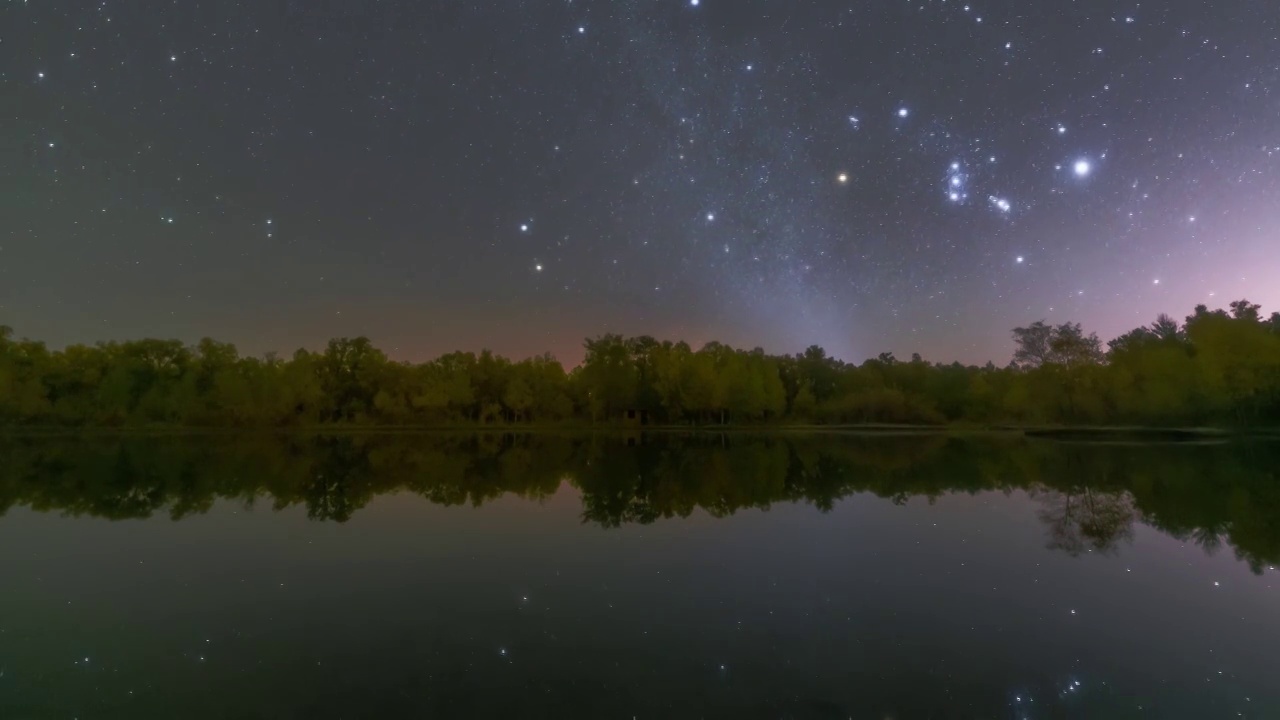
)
(664, 576)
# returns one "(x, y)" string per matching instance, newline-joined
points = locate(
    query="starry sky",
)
(518, 174)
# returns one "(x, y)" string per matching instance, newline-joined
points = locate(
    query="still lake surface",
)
(806, 576)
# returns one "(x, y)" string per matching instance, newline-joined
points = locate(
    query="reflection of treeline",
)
(1090, 496)
(1216, 368)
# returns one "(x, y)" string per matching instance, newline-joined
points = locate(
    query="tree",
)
(608, 376)
(1040, 344)
(1033, 341)
(347, 371)
(518, 397)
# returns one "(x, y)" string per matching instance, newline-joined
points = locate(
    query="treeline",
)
(1089, 497)
(1216, 368)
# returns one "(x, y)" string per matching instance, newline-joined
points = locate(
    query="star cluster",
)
(905, 176)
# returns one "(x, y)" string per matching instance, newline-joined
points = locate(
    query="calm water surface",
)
(562, 577)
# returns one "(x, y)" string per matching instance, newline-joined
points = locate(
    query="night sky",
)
(515, 174)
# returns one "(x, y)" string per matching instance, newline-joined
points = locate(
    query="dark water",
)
(559, 577)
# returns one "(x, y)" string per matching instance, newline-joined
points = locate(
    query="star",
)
(843, 178)
(538, 267)
(694, 3)
(1019, 259)
(1082, 168)
(711, 217)
(524, 228)
(903, 112)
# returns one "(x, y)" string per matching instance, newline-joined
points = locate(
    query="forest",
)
(1216, 368)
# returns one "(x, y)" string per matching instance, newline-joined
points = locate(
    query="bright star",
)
(711, 217)
(954, 197)
(524, 228)
(842, 178)
(1082, 168)
(1062, 130)
(1019, 259)
(903, 112)
(955, 181)
(1000, 203)
(693, 3)
(538, 268)
(581, 29)
(40, 75)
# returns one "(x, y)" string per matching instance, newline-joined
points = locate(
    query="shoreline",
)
(1083, 433)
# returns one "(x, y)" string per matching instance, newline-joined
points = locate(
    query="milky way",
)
(907, 177)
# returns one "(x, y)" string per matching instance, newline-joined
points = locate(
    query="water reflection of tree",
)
(1084, 520)
(1090, 496)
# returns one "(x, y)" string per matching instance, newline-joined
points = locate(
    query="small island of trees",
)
(1217, 368)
